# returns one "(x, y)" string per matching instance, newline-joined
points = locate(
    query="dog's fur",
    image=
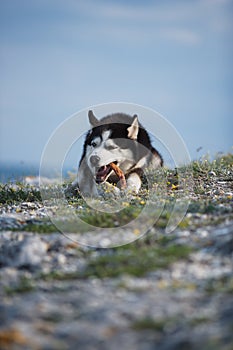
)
(117, 138)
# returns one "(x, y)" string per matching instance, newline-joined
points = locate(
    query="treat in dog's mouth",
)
(105, 170)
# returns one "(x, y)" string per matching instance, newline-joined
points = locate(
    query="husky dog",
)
(120, 139)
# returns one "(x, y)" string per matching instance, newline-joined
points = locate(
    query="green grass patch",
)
(160, 325)
(25, 285)
(105, 219)
(134, 261)
(40, 227)
(17, 193)
(60, 276)
(130, 259)
(196, 321)
(202, 207)
(220, 285)
(149, 324)
(220, 166)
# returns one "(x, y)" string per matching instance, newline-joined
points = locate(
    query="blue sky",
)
(60, 56)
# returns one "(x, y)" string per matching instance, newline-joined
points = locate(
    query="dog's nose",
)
(94, 160)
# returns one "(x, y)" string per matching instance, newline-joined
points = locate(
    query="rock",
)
(31, 251)
(11, 221)
(60, 259)
(28, 252)
(225, 245)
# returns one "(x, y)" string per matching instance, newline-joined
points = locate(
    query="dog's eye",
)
(93, 144)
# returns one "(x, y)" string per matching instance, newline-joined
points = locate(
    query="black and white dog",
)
(120, 139)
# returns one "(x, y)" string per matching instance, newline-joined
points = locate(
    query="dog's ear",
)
(92, 119)
(133, 128)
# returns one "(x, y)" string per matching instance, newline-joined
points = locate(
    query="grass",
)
(208, 190)
(41, 227)
(24, 285)
(220, 166)
(137, 262)
(131, 260)
(162, 324)
(149, 323)
(220, 285)
(17, 193)
(102, 219)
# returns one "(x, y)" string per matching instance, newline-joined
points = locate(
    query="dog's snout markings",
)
(117, 160)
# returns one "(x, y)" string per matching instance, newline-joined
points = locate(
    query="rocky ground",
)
(164, 291)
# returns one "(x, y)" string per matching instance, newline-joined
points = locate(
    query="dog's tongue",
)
(102, 173)
(102, 170)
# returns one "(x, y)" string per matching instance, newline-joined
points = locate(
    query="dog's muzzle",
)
(102, 172)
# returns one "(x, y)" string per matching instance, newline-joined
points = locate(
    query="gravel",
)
(48, 302)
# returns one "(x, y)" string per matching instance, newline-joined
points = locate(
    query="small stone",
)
(31, 251)
(18, 251)
(212, 173)
(105, 242)
(60, 259)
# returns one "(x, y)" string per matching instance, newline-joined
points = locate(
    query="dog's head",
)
(111, 139)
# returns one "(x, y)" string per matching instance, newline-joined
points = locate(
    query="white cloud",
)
(141, 23)
(181, 35)
(181, 21)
